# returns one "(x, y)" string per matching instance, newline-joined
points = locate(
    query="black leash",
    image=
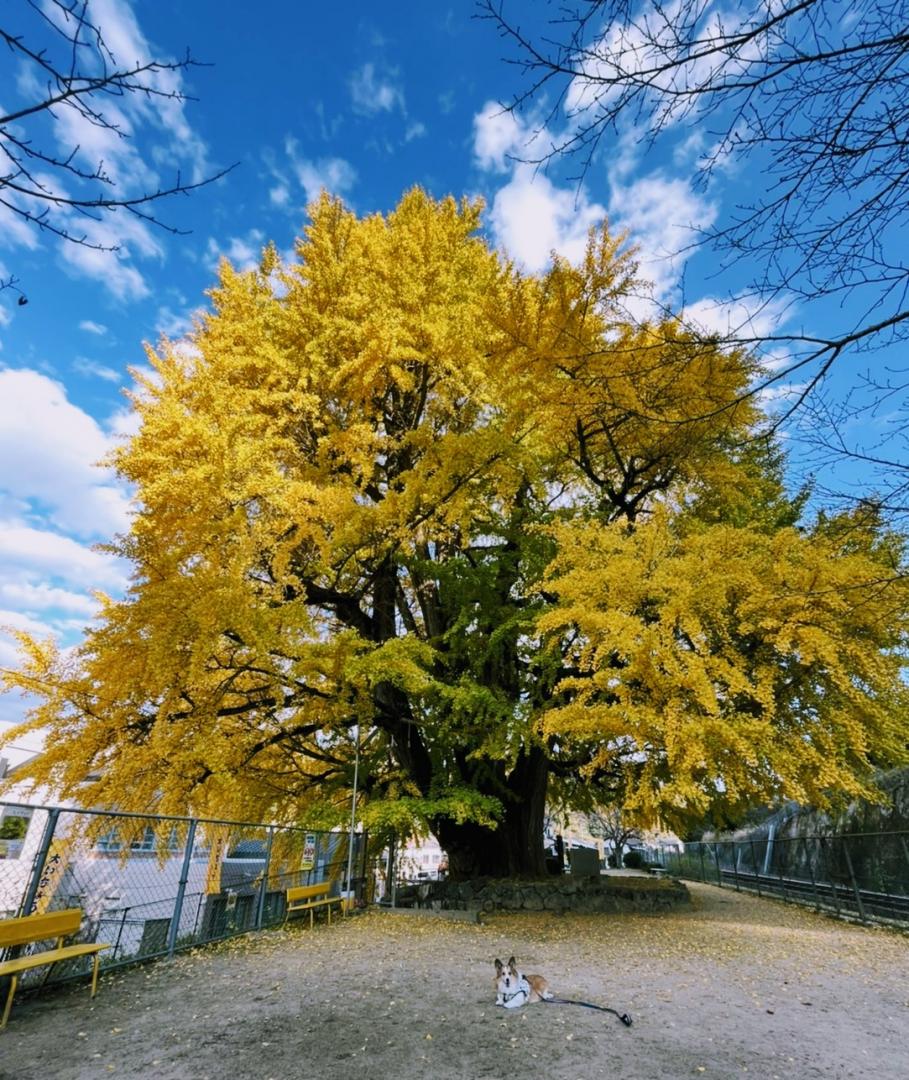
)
(624, 1017)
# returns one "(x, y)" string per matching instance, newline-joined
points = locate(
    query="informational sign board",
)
(218, 836)
(309, 852)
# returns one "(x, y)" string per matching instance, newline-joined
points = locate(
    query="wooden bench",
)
(31, 928)
(310, 897)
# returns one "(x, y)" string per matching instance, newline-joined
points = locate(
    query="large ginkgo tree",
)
(399, 500)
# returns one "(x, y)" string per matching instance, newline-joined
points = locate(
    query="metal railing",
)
(861, 875)
(150, 885)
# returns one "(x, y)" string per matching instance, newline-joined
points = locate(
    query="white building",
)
(127, 888)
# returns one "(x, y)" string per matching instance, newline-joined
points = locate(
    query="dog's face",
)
(507, 977)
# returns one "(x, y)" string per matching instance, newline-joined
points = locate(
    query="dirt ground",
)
(735, 987)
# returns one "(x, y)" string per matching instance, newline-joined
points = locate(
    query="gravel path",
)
(735, 987)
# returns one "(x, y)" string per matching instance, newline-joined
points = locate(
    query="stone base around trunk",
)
(582, 895)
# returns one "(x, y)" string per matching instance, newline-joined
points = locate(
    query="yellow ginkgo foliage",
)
(350, 480)
(716, 667)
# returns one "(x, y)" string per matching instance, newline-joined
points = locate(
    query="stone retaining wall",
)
(602, 894)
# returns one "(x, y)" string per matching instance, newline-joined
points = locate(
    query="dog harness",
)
(523, 988)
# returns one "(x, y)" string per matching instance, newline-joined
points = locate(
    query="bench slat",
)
(26, 963)
(29, 928)
(301, 892)
(313, 903)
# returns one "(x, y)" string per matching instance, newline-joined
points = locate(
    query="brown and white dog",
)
(514, 988)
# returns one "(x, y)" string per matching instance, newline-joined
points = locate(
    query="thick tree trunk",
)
(515, 848)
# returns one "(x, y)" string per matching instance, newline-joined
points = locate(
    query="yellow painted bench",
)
(310, 897)
(31, 928)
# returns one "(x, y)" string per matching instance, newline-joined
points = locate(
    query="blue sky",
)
(365, 99)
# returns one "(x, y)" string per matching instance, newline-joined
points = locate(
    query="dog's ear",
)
(513, 964)
(499, 966)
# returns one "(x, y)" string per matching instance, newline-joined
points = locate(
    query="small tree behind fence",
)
(150, 885)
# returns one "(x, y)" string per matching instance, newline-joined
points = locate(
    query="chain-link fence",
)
(857, 874)
(149, 886)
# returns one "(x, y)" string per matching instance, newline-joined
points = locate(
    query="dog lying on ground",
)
(514, 988)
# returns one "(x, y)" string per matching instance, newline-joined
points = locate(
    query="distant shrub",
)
(13, 828)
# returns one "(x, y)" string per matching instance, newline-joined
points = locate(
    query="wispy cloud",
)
(143, 143)
(95, 370)
(336, 175)
(107, 256)
(176, 324)
(373, 92)
(244, 252)
(91, 327)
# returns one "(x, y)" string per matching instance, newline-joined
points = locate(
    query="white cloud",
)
(112, 144)
(174, 324)
(30, 597)
(736, 318)
(647, 46)
(124, 423)
(9, 658)
(531, 218)
(17, 620)
(373, 93)
(243, 252)
(780, 396)
(499, 136)
(91, 327)
(166, 115)
(99, 371)
(335, 175)
(38, 554)
(49, 448)
(417, 130)
(106, 256)
(45, 579)
(663, 217)
(15, 230)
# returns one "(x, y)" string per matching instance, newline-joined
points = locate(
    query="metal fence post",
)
(855, 888)
(817, 899)
(116, 948)
(716, 859)
(905, 849)
(757, 873)
(263, 887)
(834, 888)
(701, 853)
(34, 884)
(181, 888)
(735, 864)
(779, 870)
